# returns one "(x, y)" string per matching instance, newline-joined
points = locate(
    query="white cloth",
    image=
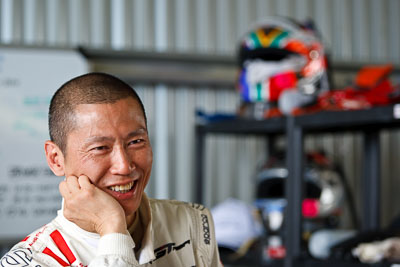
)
(377, 251)
(235, 223)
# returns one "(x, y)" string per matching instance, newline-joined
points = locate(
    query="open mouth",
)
(123, 188)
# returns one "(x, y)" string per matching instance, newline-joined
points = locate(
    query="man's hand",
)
(91, 208)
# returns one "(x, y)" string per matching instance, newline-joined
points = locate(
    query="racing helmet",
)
(324, 188)
(280, 56)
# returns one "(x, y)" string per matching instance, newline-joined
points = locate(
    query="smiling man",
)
(100, 143)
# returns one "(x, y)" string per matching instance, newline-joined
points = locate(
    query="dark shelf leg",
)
(199, 169)
(272, 140)
(294, 192)
(371, 182)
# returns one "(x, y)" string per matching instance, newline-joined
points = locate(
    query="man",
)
(100, 143)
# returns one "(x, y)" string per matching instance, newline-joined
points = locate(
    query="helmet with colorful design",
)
(281, 57)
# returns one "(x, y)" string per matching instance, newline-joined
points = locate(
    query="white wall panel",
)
(7, 9)
(393, 32)
(29, 9)
(242, 18)
(378, 29)
(183, 137)
(341, 40)
(182, 25)
(52, 16)
(302, 10)
(361, 47)
(354, 30)
(75, 22)
(263, 9)
(161, 143)
(40, 22)
(202, 26)
(118, 24)
(284, 8)
(322, 18)
(224, 29)
(393, 36)
(97, 23)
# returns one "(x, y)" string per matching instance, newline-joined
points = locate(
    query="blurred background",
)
(180, 55)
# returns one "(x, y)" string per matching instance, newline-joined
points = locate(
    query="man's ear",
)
(55, 158)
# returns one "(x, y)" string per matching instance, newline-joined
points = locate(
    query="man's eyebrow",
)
(95, 139)
(136, 133)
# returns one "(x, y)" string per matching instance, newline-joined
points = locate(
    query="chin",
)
(130, 209)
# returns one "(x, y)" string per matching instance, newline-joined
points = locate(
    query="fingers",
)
(84, 182)
(64, 189)
(72, 184)
(69, 186)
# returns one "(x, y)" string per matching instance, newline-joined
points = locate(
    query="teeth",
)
(122, 188)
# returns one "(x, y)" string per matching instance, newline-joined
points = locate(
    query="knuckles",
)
(87, 194)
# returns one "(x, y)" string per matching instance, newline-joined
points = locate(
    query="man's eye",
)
(99, 148)
(136, 141)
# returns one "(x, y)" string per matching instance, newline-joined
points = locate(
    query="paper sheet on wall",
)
(29, 196)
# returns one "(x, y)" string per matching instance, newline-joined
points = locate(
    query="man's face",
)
(110, 145)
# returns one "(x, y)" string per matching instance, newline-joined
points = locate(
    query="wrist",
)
(120, 245)
(112, 227)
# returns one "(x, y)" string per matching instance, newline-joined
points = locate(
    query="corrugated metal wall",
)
(354, 30)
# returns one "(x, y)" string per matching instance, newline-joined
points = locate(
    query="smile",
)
(122, 188)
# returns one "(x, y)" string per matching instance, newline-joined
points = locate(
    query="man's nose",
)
(122, 163)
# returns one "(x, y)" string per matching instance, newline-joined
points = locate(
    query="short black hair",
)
(91, 88)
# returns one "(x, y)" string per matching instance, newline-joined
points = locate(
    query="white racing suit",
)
(177, 234)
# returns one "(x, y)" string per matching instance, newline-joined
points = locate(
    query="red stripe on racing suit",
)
(62, 245)
(54, 256)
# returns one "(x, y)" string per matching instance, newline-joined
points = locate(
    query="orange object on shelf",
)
(370, 76)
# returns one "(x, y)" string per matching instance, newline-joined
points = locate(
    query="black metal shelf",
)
(368, 122)
(342, 121)
(244, 126)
